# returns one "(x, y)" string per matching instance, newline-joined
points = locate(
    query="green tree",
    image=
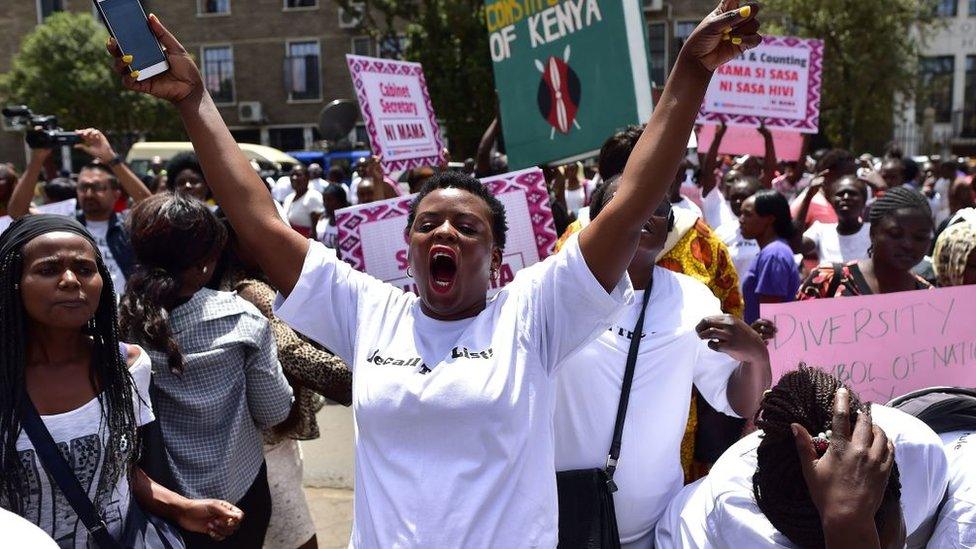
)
(448, 37)
(870, 58)
(63, 69)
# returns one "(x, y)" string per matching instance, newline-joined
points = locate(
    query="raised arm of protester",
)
(708, 178)
(20, 198)
(237, 187)
(799, 243)
(769, 158)
(96, 144)
(725, 33)
(847, 484)
(484, 147)
(731, 335)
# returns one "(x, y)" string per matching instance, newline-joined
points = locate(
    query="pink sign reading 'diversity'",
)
(397, 111)
(372, 240)
(881, 345)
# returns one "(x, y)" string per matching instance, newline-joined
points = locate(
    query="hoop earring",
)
(409, 272)
(205, 269)
(870, 251)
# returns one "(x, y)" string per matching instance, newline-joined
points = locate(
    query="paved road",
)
(329, 477)
(332, 513)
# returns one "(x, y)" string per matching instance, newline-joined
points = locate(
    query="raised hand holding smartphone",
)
(127, 22)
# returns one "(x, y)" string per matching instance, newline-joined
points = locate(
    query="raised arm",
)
(237, 187)
(769, 158)
(96, 144)
(709, 181)
(722, 35)
(802, 244)
(20, 198)
(483, 166)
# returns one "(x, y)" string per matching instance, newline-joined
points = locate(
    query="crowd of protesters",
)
(177, 335)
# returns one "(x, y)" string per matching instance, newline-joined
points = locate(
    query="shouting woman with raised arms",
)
(452, 391)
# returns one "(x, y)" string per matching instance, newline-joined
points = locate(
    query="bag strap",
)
(835, 280)
(618, 428)
(55, 464)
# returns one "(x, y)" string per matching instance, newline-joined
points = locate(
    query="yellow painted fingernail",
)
(736, 40)
(726, 30)
(108, 42)
(134, 74)
(726, 37)
(126, 59)
(745, 11)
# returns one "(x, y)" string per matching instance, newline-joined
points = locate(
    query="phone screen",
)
(127, 22)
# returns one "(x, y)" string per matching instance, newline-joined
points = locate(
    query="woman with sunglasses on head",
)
(452, 392)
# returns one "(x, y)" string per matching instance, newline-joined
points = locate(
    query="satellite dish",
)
(337, 119)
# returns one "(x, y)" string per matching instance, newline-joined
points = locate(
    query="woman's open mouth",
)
(443, 268)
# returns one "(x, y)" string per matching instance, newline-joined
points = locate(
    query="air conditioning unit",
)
(250, 111)
(653, 5)
(351, 19)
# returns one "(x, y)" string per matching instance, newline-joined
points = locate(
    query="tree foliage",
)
(871, 52)
(448, 37)
(63, 69)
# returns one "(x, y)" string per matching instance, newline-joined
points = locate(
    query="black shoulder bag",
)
(587, 518)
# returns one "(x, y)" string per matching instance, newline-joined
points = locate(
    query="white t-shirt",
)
(716, 211)
(327, 233)
(576, 198)
(282, 188)
(453, 420)
(300, 210)
(833, 247)
(17, 532)
(956, 526)
(99, 231)
(686, 204)
(82, 433)
(671, 358)
(720, 511)
(743, 251)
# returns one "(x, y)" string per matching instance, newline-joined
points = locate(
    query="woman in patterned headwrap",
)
(955, 255)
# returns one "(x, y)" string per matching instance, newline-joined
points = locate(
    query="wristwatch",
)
(115, 161)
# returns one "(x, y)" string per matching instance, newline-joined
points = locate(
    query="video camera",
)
(43, 131)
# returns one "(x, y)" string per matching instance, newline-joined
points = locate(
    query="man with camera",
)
(100, 185)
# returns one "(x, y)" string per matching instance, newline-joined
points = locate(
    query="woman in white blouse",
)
(453, 392)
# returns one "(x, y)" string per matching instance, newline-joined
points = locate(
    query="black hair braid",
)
(899, 198)
(805, 397)
(150, 293)
(109, 373)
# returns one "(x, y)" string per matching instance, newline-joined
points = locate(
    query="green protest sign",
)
(568, 73)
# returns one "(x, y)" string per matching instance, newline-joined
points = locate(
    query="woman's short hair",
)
(770, 202)
(457, 180)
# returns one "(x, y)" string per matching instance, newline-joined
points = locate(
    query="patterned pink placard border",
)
(811, 123)
(358, 65)
(531, 181)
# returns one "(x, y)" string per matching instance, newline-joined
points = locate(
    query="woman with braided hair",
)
(61, 356)
(869, 477)
(954, 258)
(901, 232)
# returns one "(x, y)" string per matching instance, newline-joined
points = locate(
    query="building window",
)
(287, 139)
(213, 7)
(363, 45)
(946, 8)
(393, 47)
(657, 41)
(218, 73)
(682, 30)
(301, 4)
(47, 7)
(935, 90)
(302, 74)
(972, 8)
(969, 114)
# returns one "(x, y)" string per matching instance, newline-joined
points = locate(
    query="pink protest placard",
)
(397, 110)
(740, 140)
(882, 345)
(371, 236)
(779, 81)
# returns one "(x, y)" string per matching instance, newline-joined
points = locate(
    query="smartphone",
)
(127, 22)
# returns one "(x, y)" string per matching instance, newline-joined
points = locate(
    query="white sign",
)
(397, 110)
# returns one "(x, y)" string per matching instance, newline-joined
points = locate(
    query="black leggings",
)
(256, 505)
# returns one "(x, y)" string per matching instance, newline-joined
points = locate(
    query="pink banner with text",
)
(740, 140)
(881, 345)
